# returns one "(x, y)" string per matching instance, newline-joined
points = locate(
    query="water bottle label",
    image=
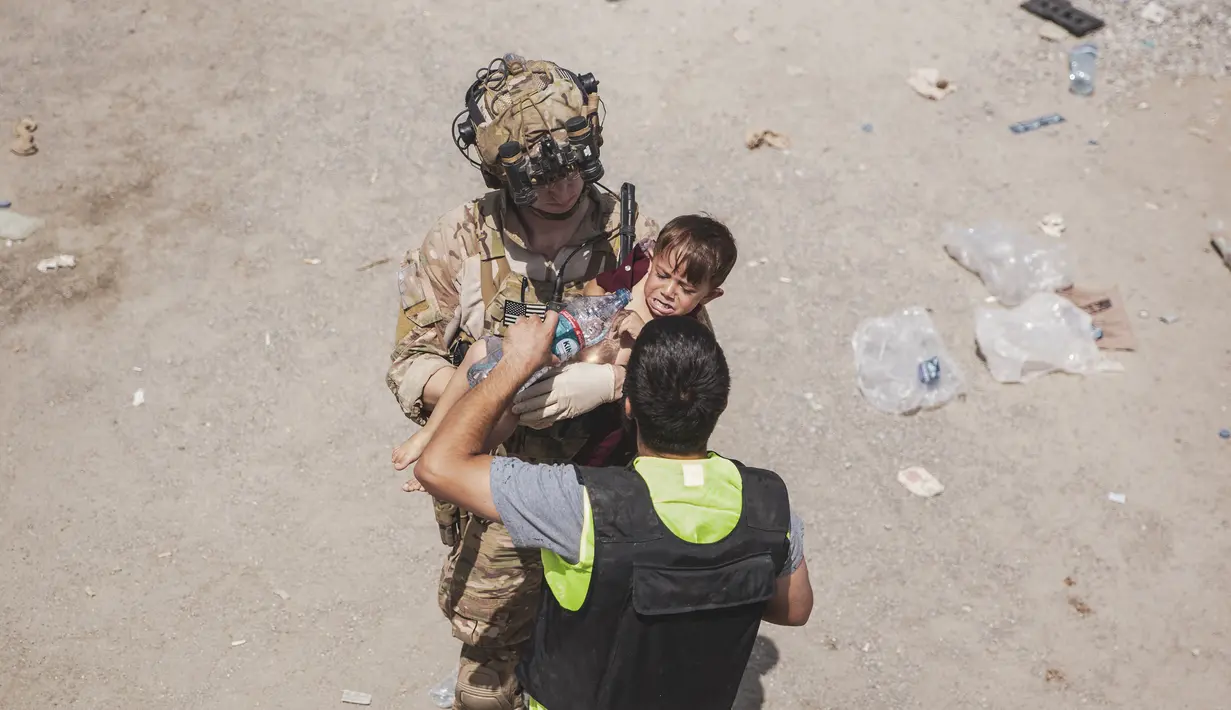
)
(565, 348)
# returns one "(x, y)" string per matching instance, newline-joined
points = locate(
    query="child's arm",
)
(412, 448)
(593, 289)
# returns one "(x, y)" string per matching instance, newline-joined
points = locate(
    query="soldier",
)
(537, 238)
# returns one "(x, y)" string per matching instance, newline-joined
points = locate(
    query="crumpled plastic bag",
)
(901, 364)
(1013, 264)
(1045, 334)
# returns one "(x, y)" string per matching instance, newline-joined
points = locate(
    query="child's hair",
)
(702, 245)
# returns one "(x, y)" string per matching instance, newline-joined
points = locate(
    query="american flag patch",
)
(516, 309)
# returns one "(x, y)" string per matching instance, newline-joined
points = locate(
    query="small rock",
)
(89, 592)
(917, 480)
(354, 697)
(1196, 652)
(163, 555)
(1143, 106)
(1053, 225)
(138, 398)
(1117, 498)
(1169, 318)
(312, 262)
(785, 279)
(1154, 12)
(1143, 314)
(282, 594)
(1052, 32)
(928, 83)
(239, 642)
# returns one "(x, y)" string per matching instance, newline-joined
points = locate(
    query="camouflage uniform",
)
(454, 289)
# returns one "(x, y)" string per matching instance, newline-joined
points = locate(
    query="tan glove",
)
(573, 389)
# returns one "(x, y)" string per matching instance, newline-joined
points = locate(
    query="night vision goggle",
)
(547, 161)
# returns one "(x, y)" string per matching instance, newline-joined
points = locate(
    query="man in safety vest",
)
(658, 575)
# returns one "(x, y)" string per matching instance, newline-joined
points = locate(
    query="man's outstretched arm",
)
(455, 466)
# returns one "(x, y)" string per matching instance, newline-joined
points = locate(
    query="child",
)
(682, 272)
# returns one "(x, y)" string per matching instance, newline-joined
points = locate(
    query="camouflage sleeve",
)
(427, 282)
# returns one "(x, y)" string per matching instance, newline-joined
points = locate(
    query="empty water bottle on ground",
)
(583, 322)
(441, 694)
(1081, 69)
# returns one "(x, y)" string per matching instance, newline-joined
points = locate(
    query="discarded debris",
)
(1154, 12)
(1169, 318)
(1036, 123)
(784, 279)
(1052, 32)
(282, 594)
(928, 83)
(162, 555)
(312, 262)
(1062, 12)
(138, 400)
(1070, 582)
(373, 264)
(354, 697)
(918, 481)
(766, 137)
(866, 128)
(5, 204)
(1053, 225)
(1143, 314)
(1223, 248)
(1224, 433)
(62, 261)
(17, 227)
(1080, 607)
(89, 592)
(239, 642)
(1117, 498)
(1112, 326)
(23, 141)
(1143, 105)
(1054, 675)
(1045, 334)
(442, 693)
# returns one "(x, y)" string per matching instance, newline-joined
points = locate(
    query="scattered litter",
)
(866, 128)
(1052, 32)
(918, 481)
(901, 364)
(164, 555)
(1053, 225)
(282, 595)
(312, 262)
(1012, 264)
(784, 279)
(1035, 124)
(354, 697)
(268, 342)
(1112, 327)
(441, 694)
(62, 261)
(23, 141)
(1082, 60)
(1054, 675)
(766, 137)
(1117, 498)
(1224, 433)
(928, 83)
(1062, 12)
(1045, 334)
(89, 592)
(373, 264)
(17, 227)
(1091, 142)
(1223, 248)
(811, 399)
(5, 204)
(1154, 12)
(239, 642)
(1070, 582)
(742, 36)
(1169, 318)
(138, 398)
(1080, 607)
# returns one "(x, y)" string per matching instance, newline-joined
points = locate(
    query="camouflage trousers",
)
(489, 591)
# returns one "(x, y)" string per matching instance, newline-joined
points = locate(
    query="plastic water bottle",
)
(1081, 69)
(583, 322)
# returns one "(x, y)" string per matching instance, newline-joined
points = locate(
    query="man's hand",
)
(527, 344)
(573, 389)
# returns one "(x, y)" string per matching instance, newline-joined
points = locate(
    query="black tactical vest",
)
(666, 624)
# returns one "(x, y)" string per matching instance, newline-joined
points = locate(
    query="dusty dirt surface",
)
(239, 540)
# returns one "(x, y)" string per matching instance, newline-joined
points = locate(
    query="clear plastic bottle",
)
(1082, 59)
(583, 322)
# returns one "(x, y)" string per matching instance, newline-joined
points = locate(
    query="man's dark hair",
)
(677, 383)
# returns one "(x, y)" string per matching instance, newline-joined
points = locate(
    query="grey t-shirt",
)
(542, 506)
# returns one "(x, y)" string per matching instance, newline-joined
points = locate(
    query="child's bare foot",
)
(410, 450)
(412, 486)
